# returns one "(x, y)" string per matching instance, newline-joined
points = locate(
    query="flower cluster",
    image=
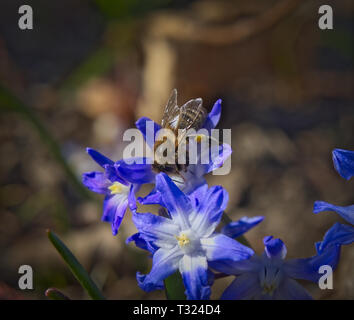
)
(189, 235)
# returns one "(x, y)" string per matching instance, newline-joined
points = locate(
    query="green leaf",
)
(75, 267)
(55, 294)
(174, 287)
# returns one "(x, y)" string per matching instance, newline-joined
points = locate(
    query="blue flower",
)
(271, 277)
(119, 192)
(185, 240)
(343, 161)
(193, 178)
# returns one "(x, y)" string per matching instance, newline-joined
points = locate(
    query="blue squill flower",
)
(119, 192)
(270, 276)
(186, 240)
(343, 161)
(191, 179)
(233, 230)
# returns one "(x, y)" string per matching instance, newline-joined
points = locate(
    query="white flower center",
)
(187, 241)
(117, 188)
(183, 240)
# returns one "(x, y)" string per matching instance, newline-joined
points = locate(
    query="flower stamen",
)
(183, 240)
(269, 289)
(116, 187)
(199, 138)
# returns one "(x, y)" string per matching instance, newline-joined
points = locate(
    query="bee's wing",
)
(171, 112)
(192, 115)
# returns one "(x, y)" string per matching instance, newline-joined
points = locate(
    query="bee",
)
(178, 120)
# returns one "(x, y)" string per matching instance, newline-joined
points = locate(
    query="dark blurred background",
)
(89, 69)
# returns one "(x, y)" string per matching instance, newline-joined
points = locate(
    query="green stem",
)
(174, 287)
(76, 268)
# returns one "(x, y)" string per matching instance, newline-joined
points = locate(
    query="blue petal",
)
(113, 175)
(307, 269)
(159, 285)
(238, 228)
(157, 229)
(135, 170)
(98, 157)
(217, 155)
(213, 117)
(154, 197)
(164, 263)
(254, 264)
(134, 188)
(221, 247)
(244, 287)
(96, 181)
(338, 234)
(198, 195)
(191, 182)
(148, 128)
(114, 208)
(274, 248)
(210, 210)
(197, 170)
(138, 240)
(344, 162)
(141, 243)
(189, 187)
(346, 213)
(195, 277)
(289, 289)
(176, 202)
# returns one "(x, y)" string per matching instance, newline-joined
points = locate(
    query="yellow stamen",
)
(268, 289)
(116, 187)
(199, 138)
(182, 240)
